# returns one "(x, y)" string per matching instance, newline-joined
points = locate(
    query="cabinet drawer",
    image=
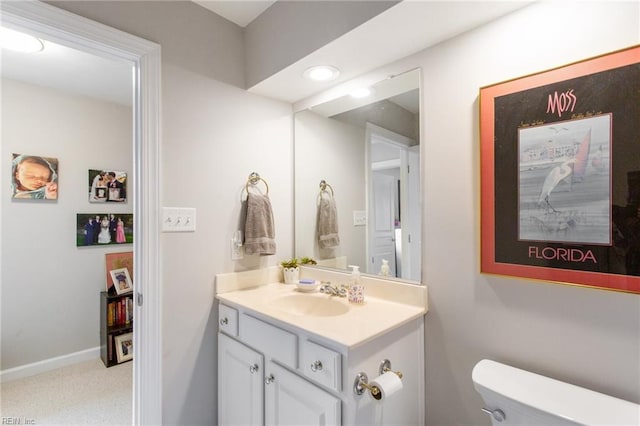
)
(228, 320)
(320, 364)
(271, 340)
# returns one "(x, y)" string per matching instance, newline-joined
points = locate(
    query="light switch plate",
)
(359, 218)
(178, 219)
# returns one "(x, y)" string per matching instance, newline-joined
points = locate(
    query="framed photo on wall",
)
(34, 177)
(560, 174)
(124, 347)
(103, 229)
(107, 186)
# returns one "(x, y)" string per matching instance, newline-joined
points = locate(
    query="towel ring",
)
(324, 185)
(254, 179)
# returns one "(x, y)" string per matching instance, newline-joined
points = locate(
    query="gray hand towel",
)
(327, 222)
(259, 231)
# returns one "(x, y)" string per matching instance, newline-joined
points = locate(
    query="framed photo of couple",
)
(567, 140)
(107, 186)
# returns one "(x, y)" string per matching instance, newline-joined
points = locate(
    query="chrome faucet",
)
(331, 290)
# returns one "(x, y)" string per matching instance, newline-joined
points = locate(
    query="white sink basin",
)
(308, 305)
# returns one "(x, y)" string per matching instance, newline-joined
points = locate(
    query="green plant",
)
(308, 261)
(291, 263)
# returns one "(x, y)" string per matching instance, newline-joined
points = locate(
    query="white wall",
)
(50, 287)
(334, 151)
(583, 336)
(213, 136)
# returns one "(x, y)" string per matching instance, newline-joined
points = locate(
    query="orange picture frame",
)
(118, 261)
(560, 178)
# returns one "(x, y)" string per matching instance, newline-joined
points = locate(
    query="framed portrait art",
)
(560, 174)
(121, 280)
(124, 347)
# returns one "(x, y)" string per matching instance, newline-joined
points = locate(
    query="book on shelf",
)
(110, 348)
(120, 312)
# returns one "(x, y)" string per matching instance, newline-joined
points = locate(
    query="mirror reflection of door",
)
(394, 198)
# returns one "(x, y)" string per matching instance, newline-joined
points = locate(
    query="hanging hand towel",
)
(327, 222)
(259, 231)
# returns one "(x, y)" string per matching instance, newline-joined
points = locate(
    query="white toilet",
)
(518, 397)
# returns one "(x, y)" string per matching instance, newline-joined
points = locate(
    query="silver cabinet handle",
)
(316, 366)
(269, 379)
(224, 321)
(497, 414)
(254, 368)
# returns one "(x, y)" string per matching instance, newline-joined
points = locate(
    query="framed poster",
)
(560, 174)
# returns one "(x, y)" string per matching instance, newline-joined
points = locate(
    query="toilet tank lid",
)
(552, 396)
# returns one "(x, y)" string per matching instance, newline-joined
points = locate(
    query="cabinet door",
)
(240, 384)
(292, 401)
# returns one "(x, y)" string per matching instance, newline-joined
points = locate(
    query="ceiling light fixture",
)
(20, 42)
(322, 73)
(361, 92)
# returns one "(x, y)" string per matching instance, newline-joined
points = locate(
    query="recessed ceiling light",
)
(20, 42)
(322, 73)
(361, 92)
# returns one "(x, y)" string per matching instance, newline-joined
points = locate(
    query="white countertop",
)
(359, 324)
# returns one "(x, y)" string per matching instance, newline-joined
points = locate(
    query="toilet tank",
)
(530, 399)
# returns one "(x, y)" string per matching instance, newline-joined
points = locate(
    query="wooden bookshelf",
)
(116, 318)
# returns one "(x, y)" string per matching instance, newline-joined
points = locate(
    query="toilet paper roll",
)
(387, 384)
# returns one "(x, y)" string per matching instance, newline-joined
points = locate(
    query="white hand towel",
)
(327, 222)
(259, 230)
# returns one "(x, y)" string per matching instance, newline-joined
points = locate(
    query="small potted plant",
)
(290, 270)
(308, 261)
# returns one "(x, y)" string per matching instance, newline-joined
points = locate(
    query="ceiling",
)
(241, 12)
(71, 70)
(416, 25)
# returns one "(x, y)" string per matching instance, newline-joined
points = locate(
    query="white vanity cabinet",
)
(291, 400)
(240, 384)
(255, 383)
(297, 358)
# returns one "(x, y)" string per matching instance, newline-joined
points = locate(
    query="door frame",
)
(60, 26)
(403, 143)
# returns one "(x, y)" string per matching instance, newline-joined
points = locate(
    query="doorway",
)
(47, 22)
(393, 192)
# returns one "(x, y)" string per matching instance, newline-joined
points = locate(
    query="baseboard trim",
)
(43, 366)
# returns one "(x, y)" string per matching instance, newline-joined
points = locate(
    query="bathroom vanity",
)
(287, 357)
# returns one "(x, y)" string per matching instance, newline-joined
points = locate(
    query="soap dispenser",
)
(356, 289)
(384, 269)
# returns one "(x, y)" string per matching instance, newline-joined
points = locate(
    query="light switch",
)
(178, 219)
(359, 218)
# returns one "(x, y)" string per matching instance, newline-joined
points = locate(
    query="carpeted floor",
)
(82, 394)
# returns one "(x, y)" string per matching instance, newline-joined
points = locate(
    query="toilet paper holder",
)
(361, 382)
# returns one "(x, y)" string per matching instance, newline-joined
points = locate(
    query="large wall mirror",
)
(357, 172)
